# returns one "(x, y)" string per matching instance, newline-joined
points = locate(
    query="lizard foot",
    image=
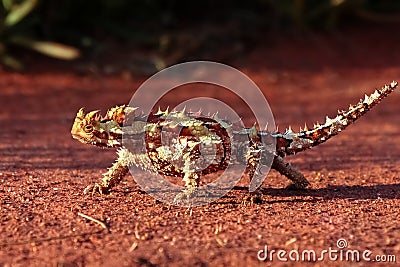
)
(298, 186)
(253, 198)
(193, 196)
(184, 198)
(95, 189)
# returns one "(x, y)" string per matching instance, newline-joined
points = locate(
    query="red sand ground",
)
(355, 176)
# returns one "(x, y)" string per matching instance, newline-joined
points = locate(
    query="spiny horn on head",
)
(80, 114)
(93, 115)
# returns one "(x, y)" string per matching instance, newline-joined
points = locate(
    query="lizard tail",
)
(292, 143)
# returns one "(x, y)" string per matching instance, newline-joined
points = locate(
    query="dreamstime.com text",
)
(341, 253)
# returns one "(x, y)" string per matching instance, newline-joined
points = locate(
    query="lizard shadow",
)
(355, 192)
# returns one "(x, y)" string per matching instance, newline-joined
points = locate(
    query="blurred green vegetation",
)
(14, 30)
(156, 24)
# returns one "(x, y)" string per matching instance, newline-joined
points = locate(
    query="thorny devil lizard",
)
(197, 130)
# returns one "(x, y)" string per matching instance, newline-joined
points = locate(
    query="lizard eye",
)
(88, 128)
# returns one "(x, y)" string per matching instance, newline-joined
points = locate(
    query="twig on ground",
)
(103, 225)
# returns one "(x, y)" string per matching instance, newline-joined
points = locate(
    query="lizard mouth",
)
(95, 138)
(90, 141)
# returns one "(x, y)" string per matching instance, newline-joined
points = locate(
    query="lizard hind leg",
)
(284, 168)
(252, 168)
(191, 180)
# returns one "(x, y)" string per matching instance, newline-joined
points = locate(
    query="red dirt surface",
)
(355, 180)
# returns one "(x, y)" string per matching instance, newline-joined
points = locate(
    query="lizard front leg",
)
(284, 168)
(112, 177)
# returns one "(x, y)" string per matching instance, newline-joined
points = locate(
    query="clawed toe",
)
(253, 198)
(185, 196)
(94, 189)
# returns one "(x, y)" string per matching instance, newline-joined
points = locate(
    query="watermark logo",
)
(341, 243)
(340, 253)
(163, 82)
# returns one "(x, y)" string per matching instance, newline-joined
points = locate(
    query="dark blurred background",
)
(166, 32)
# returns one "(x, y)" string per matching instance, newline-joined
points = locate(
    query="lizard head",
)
(93, 129)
